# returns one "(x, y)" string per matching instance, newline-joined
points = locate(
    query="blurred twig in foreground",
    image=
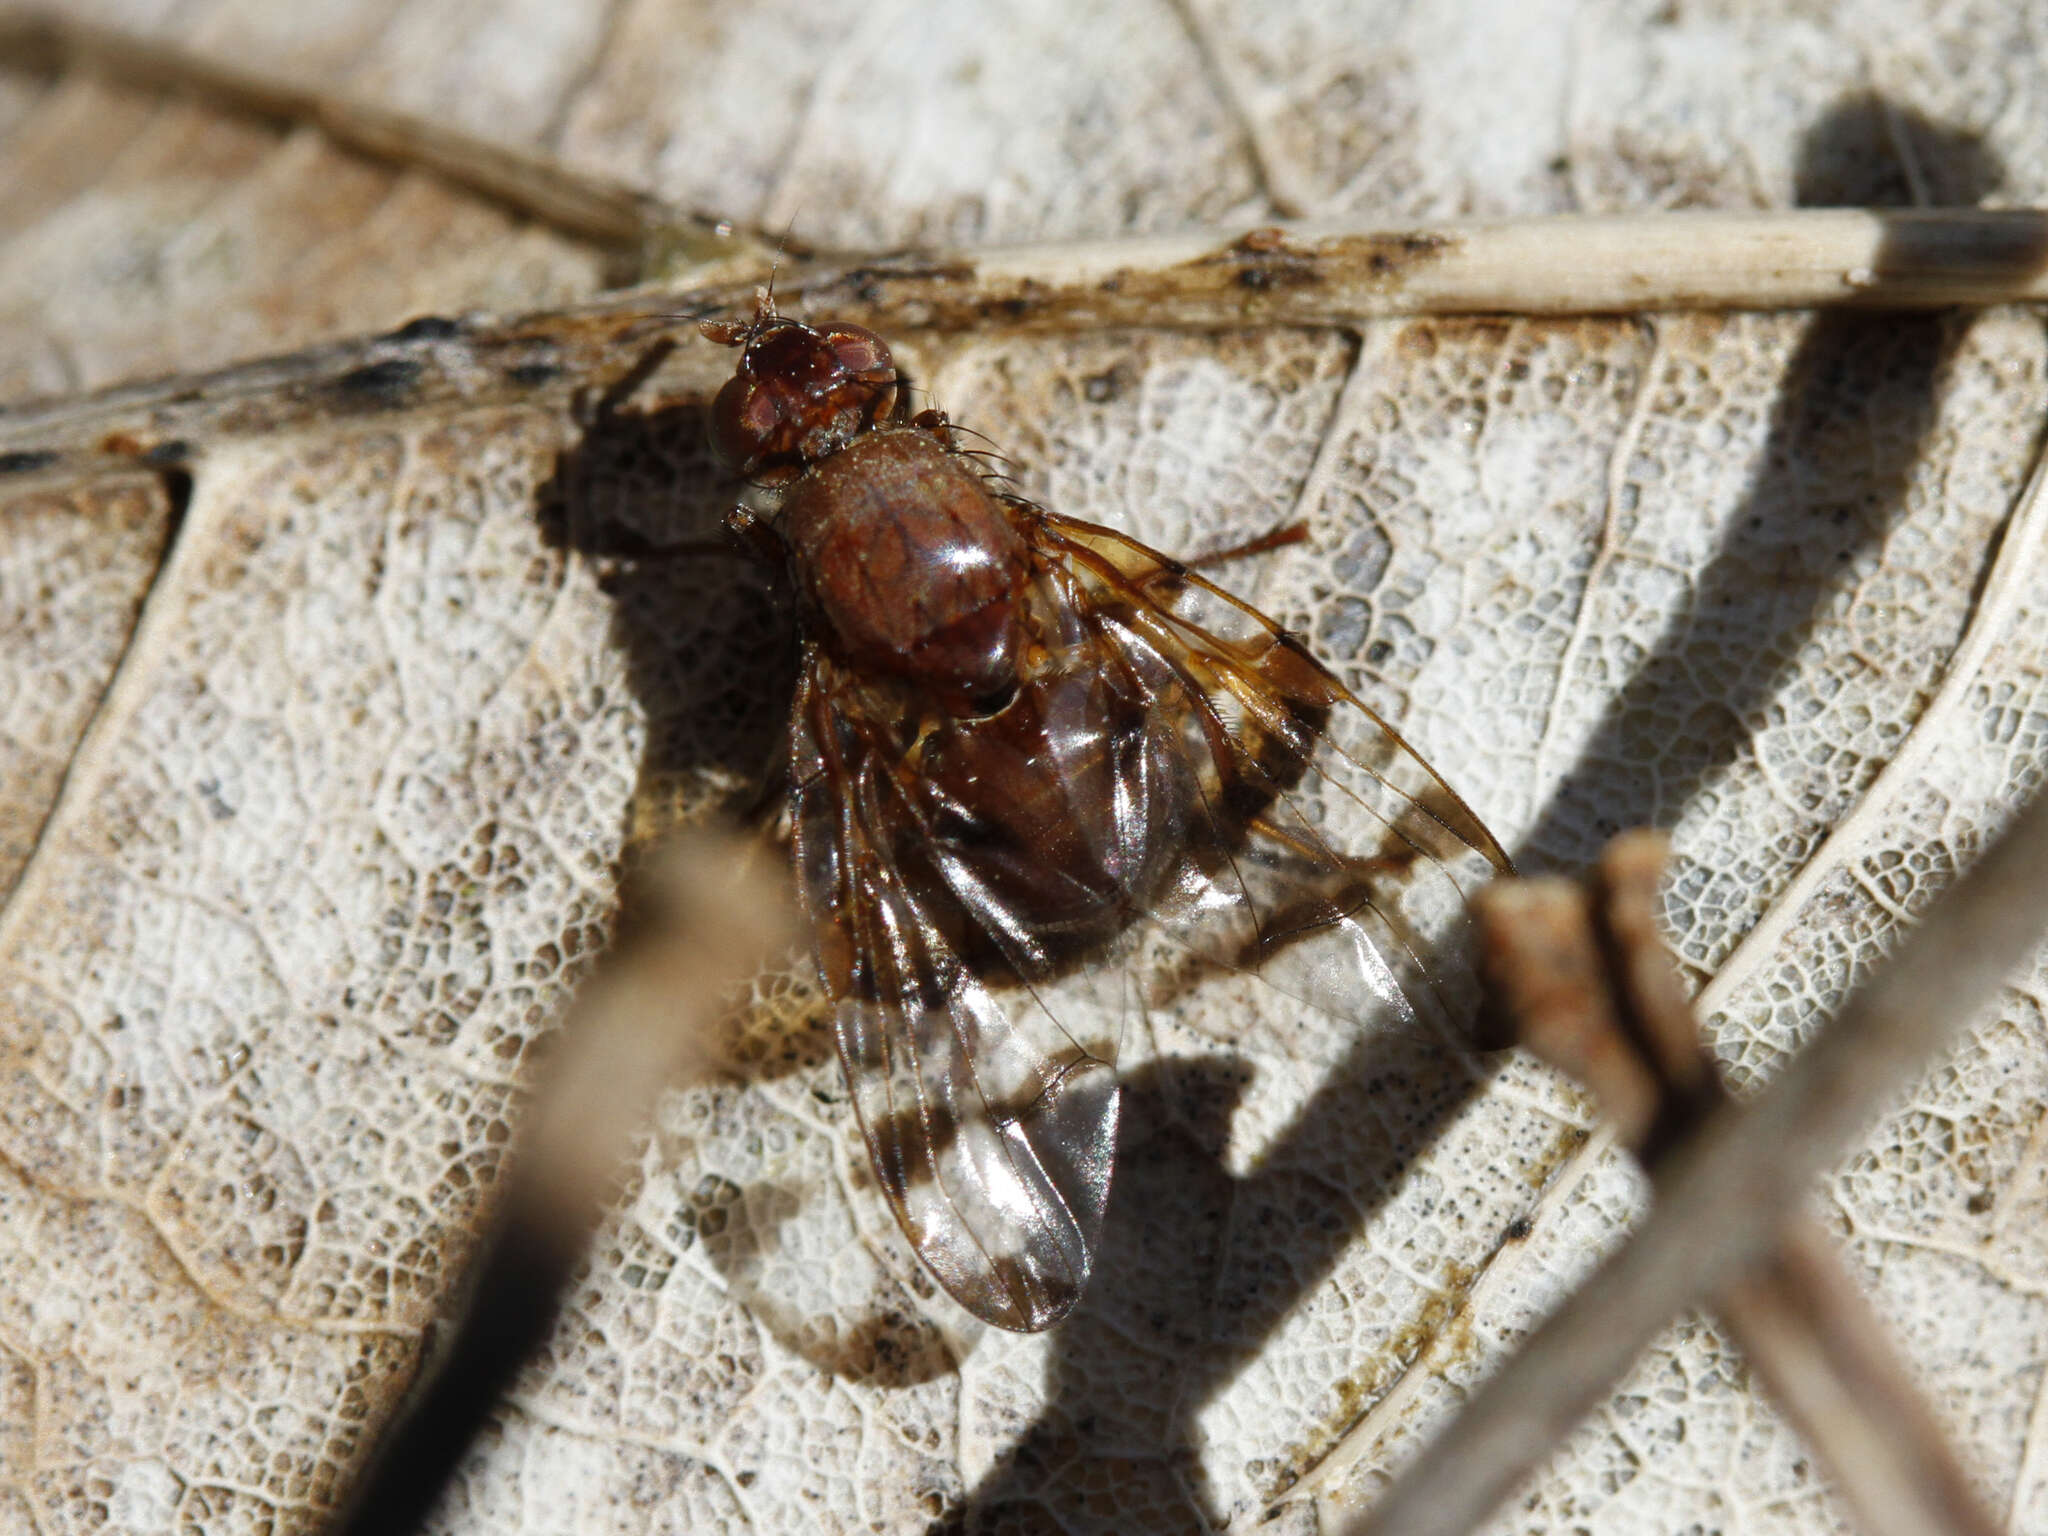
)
(1585, 983)
(700, 916)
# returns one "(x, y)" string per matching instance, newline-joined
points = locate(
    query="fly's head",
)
(799, 394)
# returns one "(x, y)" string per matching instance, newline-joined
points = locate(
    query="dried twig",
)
(1808, 1331)
(1312, 274)
(1595, 992)
(1727, 1192)
(1208, 280)
(1303, 274)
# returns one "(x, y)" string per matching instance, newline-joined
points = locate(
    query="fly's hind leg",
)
(1282, 536)
(1163, 583)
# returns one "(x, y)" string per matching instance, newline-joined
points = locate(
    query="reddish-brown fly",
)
(1020, 746)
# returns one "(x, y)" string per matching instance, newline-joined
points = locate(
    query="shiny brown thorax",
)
(910, 567)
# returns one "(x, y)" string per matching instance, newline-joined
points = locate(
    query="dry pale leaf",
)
(318, 774)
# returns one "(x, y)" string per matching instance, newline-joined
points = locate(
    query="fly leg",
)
(1281, 536)
(1162, 583)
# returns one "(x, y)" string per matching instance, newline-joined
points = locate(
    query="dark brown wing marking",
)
(1335, 862)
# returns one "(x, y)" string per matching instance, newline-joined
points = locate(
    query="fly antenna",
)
(765, 299)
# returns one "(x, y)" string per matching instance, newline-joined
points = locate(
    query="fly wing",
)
(990, 1111)
(975, 886)
(1331, 859)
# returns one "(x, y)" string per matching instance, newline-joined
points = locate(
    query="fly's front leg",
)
(934, 421)
(752, 535)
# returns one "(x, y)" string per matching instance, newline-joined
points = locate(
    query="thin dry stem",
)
(1212, 280)
(1809, 1333)
(575, 202)
(1799, 1318)
(1302, 274)
(1727, 1196)
(1568, 264)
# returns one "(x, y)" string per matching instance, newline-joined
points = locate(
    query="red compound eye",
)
(859, 351)
(799, 394)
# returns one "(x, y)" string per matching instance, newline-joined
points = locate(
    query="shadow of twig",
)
(1089, 1463)
(1851, 421)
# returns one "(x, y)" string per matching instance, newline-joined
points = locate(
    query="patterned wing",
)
(1172, 761)
(1323, 852)
(989, 1106)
